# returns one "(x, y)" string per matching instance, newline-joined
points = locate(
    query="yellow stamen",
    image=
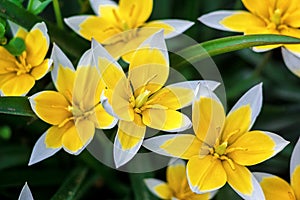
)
(276, 17)
(221, 149)
(142, 98)
(231, 163)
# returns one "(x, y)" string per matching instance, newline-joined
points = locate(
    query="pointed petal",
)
(50, 106)
(87, 79)
(175, 145)
(72, 142)
(7, 60)
(237, 123)
(253, 98)
(18, 85)
(159, 188)
(172, 97)
(41, 70)
(87, 26)
(236, 22)
(40, 151)
(257, 7)
(95, 4)
(295, 170)
(291, 61)
(176, 174)
(198, 178)
(274, 187)
(179, 95)
(128, 141)
(256, 146)
(63, 72)
(104, 60)
(135, 12)
(243, 182)
(213, 19)
(166, 120)
(150, 64)
(37, 35)
(15, 28)
(86, 130)
(25, 193)
(208, 119)
(172, 27)
(103, 119)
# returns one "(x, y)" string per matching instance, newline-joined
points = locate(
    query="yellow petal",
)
(291, 19)
(100, 28)
(65, 81)
(163, 191)
(6, 61)
(54, 135)
(6, 77)
(166, 120)
(252, 148)
(130, 134)
(103, 120)
(236, 22)
(85, 130)
(208, 119)
(176, 145)
(200, 180)
(131, 40)
(71, 141)
(257, 7)
(21, 33)
(135, 12)
(237, 123)
(172, 97)
(85, 88)
(240, 178)
(148, 67)
(18, 85)
(159, 25)
(276, 188)
(295, 181)
(39, 71)
(176, 176)
(36, 47)
(50, 106)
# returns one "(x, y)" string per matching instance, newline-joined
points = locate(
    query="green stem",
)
(57, 12)
(262, 64)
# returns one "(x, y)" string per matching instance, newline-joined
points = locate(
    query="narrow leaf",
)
(70, 187)
(16, 106)
(203, 50)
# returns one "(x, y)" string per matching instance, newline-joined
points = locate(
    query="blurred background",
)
(64, 176)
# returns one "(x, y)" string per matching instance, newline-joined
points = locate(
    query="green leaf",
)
(17, 2)
(16, 46)
(203, 50)
(37, 6)
(70, 187)
(13, 155)
(16, 106)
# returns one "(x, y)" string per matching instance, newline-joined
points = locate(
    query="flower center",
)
(221, 151)
(22, 67)
(138, 102)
